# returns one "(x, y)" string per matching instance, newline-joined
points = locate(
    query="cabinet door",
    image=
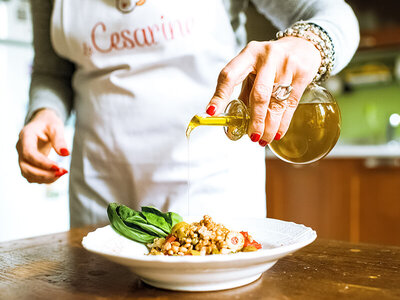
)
(317, 195)
(380, 203)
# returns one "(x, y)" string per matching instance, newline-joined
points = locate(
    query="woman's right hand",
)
(43, 132)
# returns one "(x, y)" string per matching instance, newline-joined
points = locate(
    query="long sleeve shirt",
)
(51, 78)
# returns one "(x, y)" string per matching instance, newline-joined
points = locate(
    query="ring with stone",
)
(281, 91)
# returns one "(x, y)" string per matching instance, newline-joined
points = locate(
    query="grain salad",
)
(205, 237)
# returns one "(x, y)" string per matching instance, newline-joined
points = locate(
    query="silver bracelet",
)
(323, 43)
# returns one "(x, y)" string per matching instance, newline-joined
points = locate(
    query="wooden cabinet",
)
(346, 199)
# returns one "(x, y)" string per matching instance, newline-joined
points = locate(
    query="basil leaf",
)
(174, 218)
(140, 221)
(125, 212)
(144, 226)
(133, 233)
(157, 218)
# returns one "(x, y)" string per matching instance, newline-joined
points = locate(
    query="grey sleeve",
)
(335, 16)
(51, 76)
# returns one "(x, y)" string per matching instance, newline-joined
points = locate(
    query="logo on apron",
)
(126, 6)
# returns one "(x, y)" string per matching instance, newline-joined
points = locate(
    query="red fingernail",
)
(211, 110)
(64, 151)
(255, 137)
(54, 168)
(277, 136)
(263, 143)
(60, 173)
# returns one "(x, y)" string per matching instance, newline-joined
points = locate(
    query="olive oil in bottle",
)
(313, 131)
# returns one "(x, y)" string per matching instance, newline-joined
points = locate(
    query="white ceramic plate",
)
(204, 273)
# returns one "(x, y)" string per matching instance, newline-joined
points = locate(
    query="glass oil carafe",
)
(313, 131)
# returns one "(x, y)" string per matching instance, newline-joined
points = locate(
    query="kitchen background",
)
(25, 209)
(353, 194)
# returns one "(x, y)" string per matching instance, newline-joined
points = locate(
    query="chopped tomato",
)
(170, 239)
(245, 234)
(248, 241)
(255, 244)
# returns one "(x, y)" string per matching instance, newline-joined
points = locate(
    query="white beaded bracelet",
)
(321, 41)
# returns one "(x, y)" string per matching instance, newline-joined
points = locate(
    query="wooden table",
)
(57, 267)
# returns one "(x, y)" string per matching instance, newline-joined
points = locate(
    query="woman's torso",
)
(140, 77)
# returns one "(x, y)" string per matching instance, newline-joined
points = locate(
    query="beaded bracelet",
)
(323, 43)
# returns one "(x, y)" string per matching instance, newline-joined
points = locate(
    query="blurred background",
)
(353, 194)
(25, 209)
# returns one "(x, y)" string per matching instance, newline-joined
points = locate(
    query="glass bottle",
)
(313, 131)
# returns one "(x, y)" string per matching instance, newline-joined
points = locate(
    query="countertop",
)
(57, 267)
(390, 151)
(365, 151)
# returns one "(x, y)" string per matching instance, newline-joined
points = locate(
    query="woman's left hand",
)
(260, 65)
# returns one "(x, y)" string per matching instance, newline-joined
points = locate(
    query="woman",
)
(135, 72)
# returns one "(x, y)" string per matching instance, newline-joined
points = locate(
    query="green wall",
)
(366, 112)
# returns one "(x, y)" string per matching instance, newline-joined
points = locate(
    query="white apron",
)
(140, 78)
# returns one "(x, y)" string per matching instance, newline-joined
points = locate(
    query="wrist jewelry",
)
(322, 41)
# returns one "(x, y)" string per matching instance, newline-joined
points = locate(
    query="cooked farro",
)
(202, 238)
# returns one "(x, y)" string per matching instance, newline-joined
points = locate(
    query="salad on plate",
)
(167, 233)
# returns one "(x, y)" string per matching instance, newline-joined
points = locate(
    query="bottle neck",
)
(220, 120)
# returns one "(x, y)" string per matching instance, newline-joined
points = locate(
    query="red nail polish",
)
(277, 136)
(263, 143)
(60, 173)
(54, 168)
(255, 137)
(211, 110)
(64, 151)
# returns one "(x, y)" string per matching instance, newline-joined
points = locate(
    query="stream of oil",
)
(193, 124)
(188, 174)
(197, 121)
(231, 122)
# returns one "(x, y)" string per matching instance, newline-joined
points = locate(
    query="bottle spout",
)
(199, 120)
(235, 120)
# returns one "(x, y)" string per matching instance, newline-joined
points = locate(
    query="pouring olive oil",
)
(235, 120)
(313, 131)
